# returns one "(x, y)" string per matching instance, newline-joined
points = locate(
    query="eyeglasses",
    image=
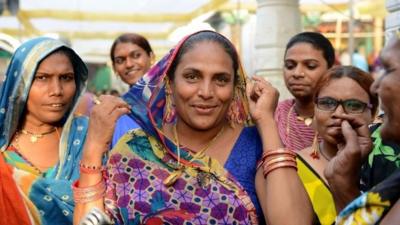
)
(353, 106)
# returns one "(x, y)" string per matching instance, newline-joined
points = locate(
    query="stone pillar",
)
(277, 21)
(392, 22)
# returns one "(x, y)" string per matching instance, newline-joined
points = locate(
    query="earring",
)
(169, 108)
(315, 147)
(234, 114)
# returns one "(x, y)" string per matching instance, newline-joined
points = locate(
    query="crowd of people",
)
(195, 140)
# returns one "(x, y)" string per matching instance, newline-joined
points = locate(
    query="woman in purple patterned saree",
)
(152, 181)
(193, 161)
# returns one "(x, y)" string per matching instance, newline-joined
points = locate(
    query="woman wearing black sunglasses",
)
(342, 94)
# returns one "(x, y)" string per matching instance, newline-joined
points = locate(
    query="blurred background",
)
(258, 28)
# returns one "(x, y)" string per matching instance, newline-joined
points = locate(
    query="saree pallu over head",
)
(47, 197)
(143, 159)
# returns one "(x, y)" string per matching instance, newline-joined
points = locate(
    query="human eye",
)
(326, 103)
(119, 60)
(40, 77)
(191, 76)
(312, 66)
(289, 65)
(222, 79)
(136, 55)
(354, 106)
(387, 71)
(67, 77)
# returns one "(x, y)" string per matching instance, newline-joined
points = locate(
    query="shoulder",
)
(285, 104)
(283, 107)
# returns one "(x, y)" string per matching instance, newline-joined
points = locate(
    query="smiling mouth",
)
(56, 105)
(133, 71)
(204, 109)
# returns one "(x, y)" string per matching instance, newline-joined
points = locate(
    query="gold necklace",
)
(177, 173)
(35, 137)
(16, 150)
(306, 120)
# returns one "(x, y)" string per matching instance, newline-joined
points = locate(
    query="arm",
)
(101, 126)
(393, 216)
(282, 190)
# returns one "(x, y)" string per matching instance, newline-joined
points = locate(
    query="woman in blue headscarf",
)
(40, 139)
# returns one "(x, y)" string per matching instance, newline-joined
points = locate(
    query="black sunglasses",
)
(352, 106)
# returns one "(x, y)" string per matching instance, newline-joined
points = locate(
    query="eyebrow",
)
(48, 74)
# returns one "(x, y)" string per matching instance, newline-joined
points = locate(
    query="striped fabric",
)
(295, 135)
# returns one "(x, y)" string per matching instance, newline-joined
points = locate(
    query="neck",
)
(328, 150)
(304, 107)
(36, 127)
(185, 135)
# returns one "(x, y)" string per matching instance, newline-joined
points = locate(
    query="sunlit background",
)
(90, 26)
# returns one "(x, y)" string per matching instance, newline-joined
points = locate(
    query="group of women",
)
(195, 141)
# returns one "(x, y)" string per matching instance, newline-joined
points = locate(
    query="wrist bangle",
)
(88, 194)
(278, 152)
(88, 169)
(277, 166)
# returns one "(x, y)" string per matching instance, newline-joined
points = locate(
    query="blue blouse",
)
(242, 163)
(123, 125)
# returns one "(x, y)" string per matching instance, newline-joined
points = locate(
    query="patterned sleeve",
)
(373, 205)
(110, 199)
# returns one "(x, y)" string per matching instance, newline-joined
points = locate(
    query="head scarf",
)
(148, 96)
(18, 80)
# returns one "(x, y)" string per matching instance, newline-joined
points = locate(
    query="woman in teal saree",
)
(40, 138)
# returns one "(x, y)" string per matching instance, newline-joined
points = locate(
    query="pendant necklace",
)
(35, 137)
(181, 167)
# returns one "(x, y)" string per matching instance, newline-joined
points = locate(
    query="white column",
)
(277, 21)
(392, 22)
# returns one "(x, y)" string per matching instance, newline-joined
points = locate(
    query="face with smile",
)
(52, 91)
(202, 86)
(387, 88)
(328, 123)
(131, 62)
(304, 65)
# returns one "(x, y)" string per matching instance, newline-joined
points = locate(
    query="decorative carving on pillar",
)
(277, 21)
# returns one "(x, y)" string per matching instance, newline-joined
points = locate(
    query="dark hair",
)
(363, 78)
(133, 38)
(318, 41)
(205, 36)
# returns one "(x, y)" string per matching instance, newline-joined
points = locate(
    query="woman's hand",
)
(263, 99)
(105, 113)
(343, 171)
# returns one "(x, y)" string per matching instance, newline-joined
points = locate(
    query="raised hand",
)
(105, 113)
(263, 99)
(343, 170)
